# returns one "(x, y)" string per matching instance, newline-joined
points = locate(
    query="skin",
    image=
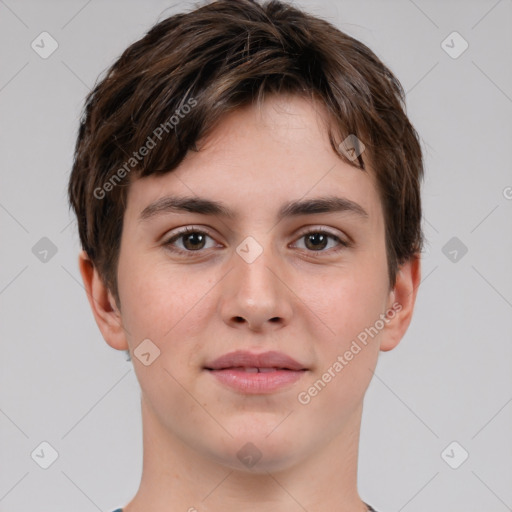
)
(300, 298)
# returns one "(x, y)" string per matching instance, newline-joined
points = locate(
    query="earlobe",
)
(103, 306)
(401, 305)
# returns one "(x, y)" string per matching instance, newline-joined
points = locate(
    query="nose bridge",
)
(255, 295)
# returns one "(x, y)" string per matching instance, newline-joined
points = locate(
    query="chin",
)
(258, 452)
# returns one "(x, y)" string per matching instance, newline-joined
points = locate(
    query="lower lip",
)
(254, 383)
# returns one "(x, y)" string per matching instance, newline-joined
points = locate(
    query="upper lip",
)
(243, 358)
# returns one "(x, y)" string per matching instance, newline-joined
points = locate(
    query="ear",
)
(103, 304)
(401, 303)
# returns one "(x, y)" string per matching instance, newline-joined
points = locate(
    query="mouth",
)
(248, 369)
(254, 362)
(251, 373)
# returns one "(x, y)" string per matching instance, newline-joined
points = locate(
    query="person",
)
(247, 188)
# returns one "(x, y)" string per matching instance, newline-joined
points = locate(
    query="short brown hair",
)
(219, 57)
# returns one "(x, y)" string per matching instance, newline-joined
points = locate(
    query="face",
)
(260, 269)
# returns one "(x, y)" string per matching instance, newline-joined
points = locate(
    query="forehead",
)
(262, 157)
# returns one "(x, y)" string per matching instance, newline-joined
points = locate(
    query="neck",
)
(175, 477)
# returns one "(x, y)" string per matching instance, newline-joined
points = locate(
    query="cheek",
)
(152, 299)
(163, 303)
(347, 300)
(347, 354)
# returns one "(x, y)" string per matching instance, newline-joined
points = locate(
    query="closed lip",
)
(246, 359)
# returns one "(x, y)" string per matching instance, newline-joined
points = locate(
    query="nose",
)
(255, 296)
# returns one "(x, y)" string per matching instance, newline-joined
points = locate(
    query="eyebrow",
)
(176, 204)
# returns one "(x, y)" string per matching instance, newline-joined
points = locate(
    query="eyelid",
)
(189, 228)
(169, 238)
(317, 229)
(344, 239)
(323, 253)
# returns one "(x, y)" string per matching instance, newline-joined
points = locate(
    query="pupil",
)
(317, 238)
(197, 239)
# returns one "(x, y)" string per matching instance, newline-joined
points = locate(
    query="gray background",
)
(449, 380)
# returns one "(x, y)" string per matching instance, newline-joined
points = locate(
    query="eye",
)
(191, 240)
(317, 240)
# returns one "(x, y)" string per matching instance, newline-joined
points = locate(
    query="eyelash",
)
(343, 244)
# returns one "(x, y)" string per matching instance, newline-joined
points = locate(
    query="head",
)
(248, 110)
